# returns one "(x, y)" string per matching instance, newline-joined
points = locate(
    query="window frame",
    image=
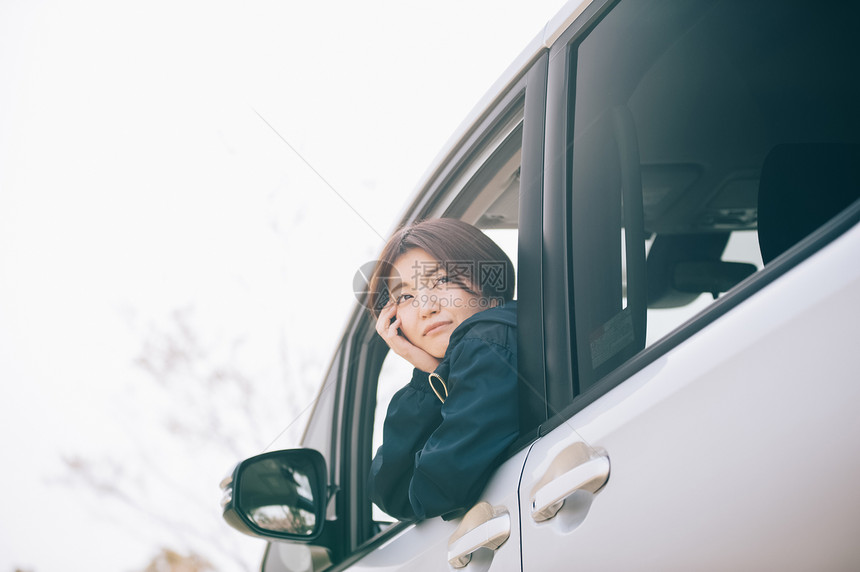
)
(559, 359)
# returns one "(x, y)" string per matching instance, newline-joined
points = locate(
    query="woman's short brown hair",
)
(464, 253)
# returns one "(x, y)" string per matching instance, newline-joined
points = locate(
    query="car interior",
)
(713, 120)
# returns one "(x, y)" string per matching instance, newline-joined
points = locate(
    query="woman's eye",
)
(441, 281)
(402, 298)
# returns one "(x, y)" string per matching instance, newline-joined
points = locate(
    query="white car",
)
(678, 183)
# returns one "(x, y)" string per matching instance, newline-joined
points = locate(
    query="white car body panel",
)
(729, 413)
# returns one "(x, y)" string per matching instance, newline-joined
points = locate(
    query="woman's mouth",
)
(434, 327)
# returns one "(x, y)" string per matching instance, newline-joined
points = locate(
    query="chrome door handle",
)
(549, 498)
(484, 526)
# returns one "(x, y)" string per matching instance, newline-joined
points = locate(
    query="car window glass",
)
(715, 115)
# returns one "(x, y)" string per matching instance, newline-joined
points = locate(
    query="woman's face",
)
(429, 306)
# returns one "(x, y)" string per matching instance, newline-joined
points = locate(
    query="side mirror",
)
(280, 495)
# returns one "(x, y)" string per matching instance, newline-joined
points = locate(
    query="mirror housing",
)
(278, 495)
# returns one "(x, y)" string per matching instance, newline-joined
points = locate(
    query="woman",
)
(442, 295)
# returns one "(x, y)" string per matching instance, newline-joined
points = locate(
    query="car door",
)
(701, 394)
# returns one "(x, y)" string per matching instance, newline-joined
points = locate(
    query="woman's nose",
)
(429, 305)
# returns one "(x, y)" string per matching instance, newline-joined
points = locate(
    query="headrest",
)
(802, 186)
(683, 266)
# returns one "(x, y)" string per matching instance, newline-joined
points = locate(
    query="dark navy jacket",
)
(436, 457)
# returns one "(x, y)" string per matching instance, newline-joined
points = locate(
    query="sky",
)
(186, 190)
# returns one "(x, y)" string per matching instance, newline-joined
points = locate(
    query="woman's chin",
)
(436, 352)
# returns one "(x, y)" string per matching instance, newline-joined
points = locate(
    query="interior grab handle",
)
(549, 498)
(484, 526)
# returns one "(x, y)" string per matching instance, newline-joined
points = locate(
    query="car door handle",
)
(548, 499)
(484, 526)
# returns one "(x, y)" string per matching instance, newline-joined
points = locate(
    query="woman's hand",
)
(399, 344)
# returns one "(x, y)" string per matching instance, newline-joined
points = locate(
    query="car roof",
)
(538, 45)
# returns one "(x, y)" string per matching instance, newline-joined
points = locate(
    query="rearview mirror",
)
(281, 495)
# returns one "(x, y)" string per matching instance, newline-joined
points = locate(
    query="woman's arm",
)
(480, 419)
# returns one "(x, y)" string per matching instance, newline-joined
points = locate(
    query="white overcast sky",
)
(137, 178)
